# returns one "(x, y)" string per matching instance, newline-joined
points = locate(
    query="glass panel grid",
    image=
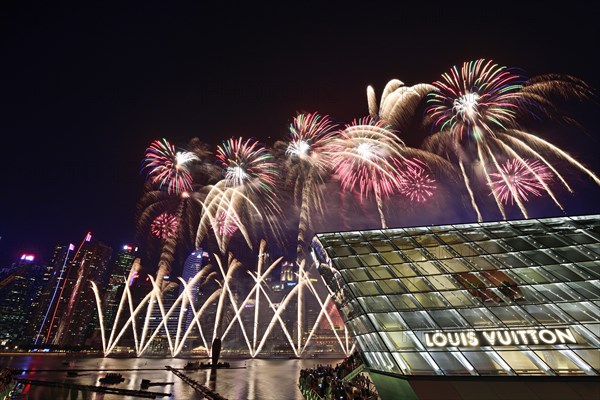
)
(487, 277)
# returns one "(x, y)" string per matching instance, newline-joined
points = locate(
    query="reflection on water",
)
(260, 379)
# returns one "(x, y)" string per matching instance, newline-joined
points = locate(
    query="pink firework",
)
(518, 179)
(363, 155)
(167, 167)
(477, 100)
(310, 135)
(416, 182)
(164, 226)
(247, 164)
(226, 223)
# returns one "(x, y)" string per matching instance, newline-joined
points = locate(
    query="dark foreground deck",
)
(93, 388)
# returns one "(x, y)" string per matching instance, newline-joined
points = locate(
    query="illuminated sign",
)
(27, 257)
(502, 337)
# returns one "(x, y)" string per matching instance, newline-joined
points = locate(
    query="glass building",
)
(454, 311)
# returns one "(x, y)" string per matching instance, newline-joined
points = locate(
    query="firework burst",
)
(519, 179)
(167, 167)
(477, 113)
(308, 160)
(246, 193)
(247, 165)
(398, 102)
(477, 100)
(226, 224)
(416, 184)
(364, 154)
(164, 226)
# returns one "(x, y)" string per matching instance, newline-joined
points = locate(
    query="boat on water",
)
(194, 365)
(112, 378)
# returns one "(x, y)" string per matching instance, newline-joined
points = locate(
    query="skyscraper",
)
(20, 294)
(59, 263)
(192, 265)
(120, 270)
(75, 317)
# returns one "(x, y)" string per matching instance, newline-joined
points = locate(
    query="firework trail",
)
(196, 168)
(308, 162)
(398, 102)
(476, 112)
(164, 226)
(246, 193)
(520, 178)
(168, 169)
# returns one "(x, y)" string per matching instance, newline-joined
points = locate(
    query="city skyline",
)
(87, 90)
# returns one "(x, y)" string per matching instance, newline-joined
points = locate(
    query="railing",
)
(309, 393)
(353, 373)
(336, 384)
(204, 391)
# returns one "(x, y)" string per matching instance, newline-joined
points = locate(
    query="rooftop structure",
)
(458, 309)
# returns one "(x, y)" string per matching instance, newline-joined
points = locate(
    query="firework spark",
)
(477, 100)
(364, 154)
(167, 167)
(398, 102)
(416, 183)
(164, 226)
(227, 223)
(308, 160)
(247, 164)
(520, 178)
(477, 114)
(246, 193)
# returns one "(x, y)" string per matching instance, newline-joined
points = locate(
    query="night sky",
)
(86, 88)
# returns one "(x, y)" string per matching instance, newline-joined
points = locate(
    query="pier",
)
(93, 388)
(198, 387)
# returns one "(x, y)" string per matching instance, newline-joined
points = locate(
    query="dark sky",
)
(86, 88)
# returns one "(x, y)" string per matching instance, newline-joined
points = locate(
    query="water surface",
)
(251, 379)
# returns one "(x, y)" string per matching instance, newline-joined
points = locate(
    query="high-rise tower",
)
(59, 263)
(121, 268)
(20, 294)
(75, 316)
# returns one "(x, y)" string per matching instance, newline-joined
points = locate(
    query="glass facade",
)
(499, 298)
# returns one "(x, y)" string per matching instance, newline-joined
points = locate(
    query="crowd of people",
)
(328, 382)
(5, 379)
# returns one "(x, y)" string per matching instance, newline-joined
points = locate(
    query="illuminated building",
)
(59, 262)
(20, 294)
(496, 310)
(119, 273)
(74, 319)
